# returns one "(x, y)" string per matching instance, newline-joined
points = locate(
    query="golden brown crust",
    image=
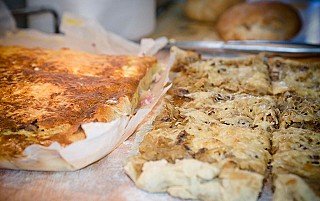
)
(45, 95)
(218, 115)
(295, 77)
(75, 62)
(300, 112)
(14, 145)
(296, 151)
(207, 10)
(208, 74)
(259, 21)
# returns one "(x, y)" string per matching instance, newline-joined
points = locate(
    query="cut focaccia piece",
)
(193, 179)
(232, 109)
(244, 75)
(289, 187)
(297, 151)
(294, 77)
(180, 137)
(300, 112)
(203, 140)
(46, 95)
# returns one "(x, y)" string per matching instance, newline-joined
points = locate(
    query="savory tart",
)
(47, 95)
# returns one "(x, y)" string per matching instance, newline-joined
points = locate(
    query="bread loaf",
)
(207, 10)
(259, 21)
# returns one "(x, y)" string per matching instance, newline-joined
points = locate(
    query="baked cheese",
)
(210, 139)
(226, 123)
(293, 77)
(251, 75)
(298, 111)
(46, 95)
(297, 151)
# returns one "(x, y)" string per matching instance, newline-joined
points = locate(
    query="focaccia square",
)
(243, 75)
(296, 151)
(242, 110)
(299, 111)
(294, 77)
(296, 164)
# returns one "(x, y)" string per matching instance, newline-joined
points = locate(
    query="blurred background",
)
(134, 19)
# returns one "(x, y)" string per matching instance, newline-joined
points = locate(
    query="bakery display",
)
(47, 96)
(207, 10)
(259, 21)
(242, 128)
(223, 128)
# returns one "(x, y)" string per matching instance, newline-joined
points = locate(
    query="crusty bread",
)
(259, 21)
(207, 10)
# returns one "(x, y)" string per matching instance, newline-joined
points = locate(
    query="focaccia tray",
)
(230, 128)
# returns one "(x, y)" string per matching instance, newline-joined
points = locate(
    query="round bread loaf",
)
(207, 10)
(259, 21)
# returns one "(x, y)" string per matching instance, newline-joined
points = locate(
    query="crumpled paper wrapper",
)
(102, 138)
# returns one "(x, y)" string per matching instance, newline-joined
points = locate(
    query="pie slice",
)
(46, 95)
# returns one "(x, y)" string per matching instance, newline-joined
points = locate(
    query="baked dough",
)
(259, 21)
(295, 77)
(289, 187)
(207, 10)
(195, 150)
(252, 75)
(296, 151)
(193, 179)
(219, 132)
(47, 95)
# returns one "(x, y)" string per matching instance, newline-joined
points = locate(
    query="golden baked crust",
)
(295, 78)
(299, 111)
(212, 138)
(75, 62)
(207, 74)
(292, 187)
(297, 151)
(194, 131)
(259, 21)
(207, 10)
(45, 95)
